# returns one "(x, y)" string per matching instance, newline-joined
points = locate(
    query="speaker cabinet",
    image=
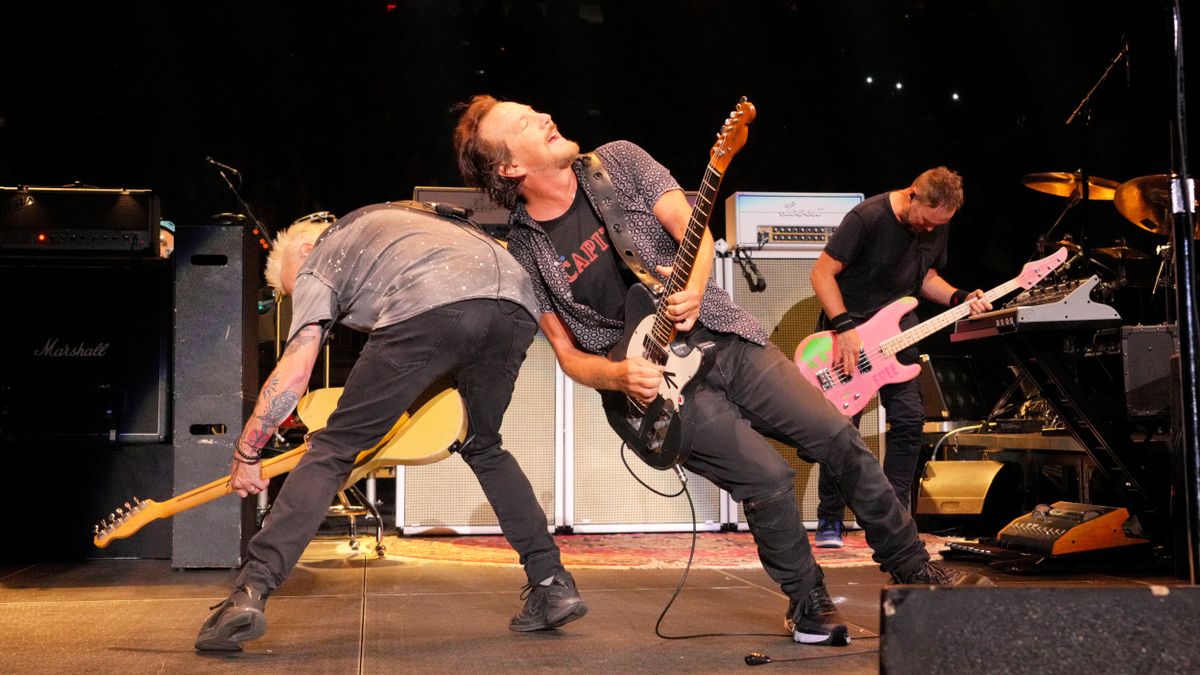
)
(789, 310)
(606, 498)
(1114, 629)
(85, 358)
(216, 384)
(446, 495)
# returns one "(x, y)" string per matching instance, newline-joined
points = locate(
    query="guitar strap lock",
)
(611, 216)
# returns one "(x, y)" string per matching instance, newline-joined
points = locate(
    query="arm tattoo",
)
(307, 335)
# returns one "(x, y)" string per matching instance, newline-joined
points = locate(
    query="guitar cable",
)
(683, 490)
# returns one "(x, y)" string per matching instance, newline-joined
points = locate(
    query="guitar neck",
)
(913, 335)
(685, 257)
(220, 487)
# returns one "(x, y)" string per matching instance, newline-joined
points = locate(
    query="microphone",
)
(223, 167)
(754, 278)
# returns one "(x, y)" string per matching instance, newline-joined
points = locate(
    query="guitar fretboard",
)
(685, 258)
(913, 335)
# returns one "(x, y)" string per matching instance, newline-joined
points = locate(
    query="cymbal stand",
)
(1076, 197)
(1163, 278)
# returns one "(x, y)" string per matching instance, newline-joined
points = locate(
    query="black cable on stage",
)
(751, 659)
(688, 568)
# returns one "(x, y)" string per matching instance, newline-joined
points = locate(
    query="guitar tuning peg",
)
(128, 507)
(96, 530)
(120, 511)
(137, 501)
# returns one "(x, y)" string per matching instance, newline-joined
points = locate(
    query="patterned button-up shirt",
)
(639, 182)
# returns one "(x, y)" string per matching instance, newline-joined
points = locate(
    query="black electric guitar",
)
(658, 432)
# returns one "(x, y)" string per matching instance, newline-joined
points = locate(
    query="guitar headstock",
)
(124, 521)
(732, 135)
(1037, 270)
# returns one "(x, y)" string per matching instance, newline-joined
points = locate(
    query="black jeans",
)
(754, 391)
(906, 420)
(475, 345)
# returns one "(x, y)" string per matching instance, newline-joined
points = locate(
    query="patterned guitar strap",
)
(614, 221)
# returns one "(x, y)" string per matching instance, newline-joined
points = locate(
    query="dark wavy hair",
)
(479, 160)
(940, 187)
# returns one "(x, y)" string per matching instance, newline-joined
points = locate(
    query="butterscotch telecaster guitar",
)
(422, 436)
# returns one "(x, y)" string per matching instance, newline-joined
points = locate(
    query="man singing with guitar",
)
(444, 305)
(567, 229)
(890, 246)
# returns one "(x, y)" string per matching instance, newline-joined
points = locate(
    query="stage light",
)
(954, 96)
(899, 85)
(41, 236)
(870, 79)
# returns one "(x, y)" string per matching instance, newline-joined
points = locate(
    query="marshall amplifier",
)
(115, 222)
(86, 352)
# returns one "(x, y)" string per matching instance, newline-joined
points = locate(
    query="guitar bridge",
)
(825, 379)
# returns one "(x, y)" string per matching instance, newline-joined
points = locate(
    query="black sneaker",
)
(933, 574)
(237, 619)
(816, 621)
(549, 606)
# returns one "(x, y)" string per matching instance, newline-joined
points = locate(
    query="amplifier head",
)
(74, 220)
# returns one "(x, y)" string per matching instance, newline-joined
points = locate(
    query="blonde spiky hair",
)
(303, 231)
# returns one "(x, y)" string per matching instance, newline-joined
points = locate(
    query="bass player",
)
(887, 247)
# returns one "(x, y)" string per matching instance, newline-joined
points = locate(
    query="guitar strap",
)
(614, 221)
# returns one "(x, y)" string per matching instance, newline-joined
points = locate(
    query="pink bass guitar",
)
(882, 339)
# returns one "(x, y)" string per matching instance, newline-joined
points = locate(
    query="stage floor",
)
(346, 612)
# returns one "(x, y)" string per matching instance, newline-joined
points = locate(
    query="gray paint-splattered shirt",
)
(639, 182)
(386, 263)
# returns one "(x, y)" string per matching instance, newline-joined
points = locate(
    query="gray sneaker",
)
(816, 621)
(549, 606)
(933, 574)
(237, 619)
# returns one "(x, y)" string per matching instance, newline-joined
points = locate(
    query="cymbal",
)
(1070, 246)
(1146, 202)
(1122, 253)
(1070, 185)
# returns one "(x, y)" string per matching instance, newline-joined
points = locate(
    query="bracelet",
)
(842, 322)
(243, 457)
(959, 297)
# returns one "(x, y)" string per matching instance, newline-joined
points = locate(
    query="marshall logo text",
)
(52, 349)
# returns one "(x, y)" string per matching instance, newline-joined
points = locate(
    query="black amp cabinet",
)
(86, 352)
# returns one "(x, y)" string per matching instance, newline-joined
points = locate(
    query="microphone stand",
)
(1085, 108)
(1087, 99)
(267, 235)
(1183, 210)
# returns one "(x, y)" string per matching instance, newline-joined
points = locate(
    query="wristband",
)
(959, 297)
(243, 457)
(842, 322)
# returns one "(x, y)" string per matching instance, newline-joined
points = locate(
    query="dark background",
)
(334, 105)
(339, 104)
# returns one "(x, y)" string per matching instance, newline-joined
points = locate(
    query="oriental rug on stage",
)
(714, 550)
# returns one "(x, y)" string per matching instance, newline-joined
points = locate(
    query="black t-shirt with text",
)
(598, 279)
